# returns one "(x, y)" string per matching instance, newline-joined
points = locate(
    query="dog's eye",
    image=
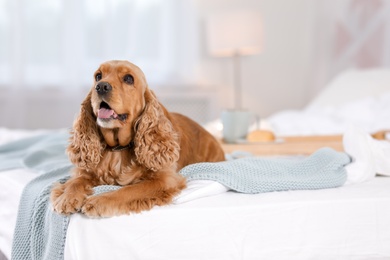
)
(128, 79)
(98, 77)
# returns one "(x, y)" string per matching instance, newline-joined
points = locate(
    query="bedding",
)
(12, 183)
(285, 224)
(355, 97)
(369, 113)
(345, 223)
(37, 225)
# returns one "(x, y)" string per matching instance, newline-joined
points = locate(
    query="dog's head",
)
(118, 110)
(117, 96)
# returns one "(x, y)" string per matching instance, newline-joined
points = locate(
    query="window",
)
(58, 43)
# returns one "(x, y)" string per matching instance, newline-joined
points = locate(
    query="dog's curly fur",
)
(157, 144)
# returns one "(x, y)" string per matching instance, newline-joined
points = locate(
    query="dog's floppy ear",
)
(156, 142)
(85, 145)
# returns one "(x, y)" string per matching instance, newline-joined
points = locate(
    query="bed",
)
(348, 222)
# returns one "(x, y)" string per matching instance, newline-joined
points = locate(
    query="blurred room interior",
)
(49, 50)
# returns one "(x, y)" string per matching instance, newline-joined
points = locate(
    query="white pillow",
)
(352, 85)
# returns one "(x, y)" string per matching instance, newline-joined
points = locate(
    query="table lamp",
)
(234, 34)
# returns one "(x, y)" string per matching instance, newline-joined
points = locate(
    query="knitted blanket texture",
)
(40, 233)
(323, 169)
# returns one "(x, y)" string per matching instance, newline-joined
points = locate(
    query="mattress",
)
(351, 222)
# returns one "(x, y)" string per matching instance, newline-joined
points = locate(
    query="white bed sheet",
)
(351, 222)
(11, 186)
(370, 114)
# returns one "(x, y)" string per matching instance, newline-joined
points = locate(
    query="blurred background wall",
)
(49, 50)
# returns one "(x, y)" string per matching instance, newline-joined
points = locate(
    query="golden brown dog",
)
(124, 136)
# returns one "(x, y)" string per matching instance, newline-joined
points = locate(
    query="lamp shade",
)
(234, 32)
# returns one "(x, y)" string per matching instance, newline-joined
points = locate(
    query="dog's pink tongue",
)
(106, 113)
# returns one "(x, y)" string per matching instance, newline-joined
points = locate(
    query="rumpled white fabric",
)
(370, 156)
(370, 114)
(199, 189)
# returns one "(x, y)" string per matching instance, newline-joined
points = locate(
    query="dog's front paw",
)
(69, 203)
(56, 192)
(97, 206)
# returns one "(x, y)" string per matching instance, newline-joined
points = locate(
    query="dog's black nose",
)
(103, 88)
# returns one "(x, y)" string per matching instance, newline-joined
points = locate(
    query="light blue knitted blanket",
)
(40, 233)
(321, 170)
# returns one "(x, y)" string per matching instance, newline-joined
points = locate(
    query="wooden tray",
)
(288, 145)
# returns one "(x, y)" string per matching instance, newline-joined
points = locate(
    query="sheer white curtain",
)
(59, 43)
(49, 50)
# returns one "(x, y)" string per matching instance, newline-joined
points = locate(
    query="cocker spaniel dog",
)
(124, 136)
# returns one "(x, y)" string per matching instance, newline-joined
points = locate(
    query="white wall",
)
(278, 78)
